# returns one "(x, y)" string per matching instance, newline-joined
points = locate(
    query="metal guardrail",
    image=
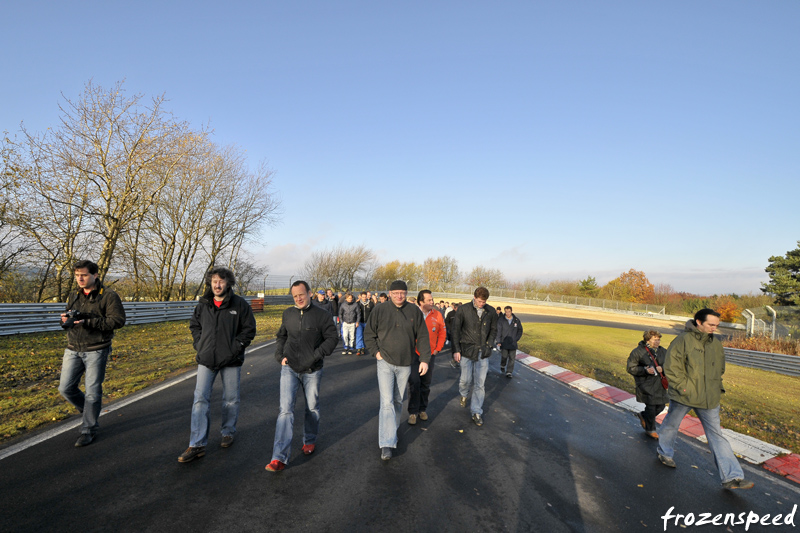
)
(36, 318)
(774, 362)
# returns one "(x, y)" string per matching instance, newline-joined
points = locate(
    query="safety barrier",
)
(35, 318)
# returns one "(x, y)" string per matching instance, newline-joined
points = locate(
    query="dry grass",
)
(142, 355)
(765, 344)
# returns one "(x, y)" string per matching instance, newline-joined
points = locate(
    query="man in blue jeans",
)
(93, 313)
(222, 326)
(694, 367)
(394, 333)
(306, 336)
(474, 331)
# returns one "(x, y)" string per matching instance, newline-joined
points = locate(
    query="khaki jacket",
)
(694, 367)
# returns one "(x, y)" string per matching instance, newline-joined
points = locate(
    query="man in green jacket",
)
(694, 367)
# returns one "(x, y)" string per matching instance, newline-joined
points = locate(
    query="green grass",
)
(762, 404)
(142, 355)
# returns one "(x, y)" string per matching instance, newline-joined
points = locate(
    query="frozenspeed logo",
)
(729, 519)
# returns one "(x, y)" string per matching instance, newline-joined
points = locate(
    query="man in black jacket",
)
(395, 333)
(509, 332)
(474, 332)
(306, 336)
(89, 337)
(222, 326)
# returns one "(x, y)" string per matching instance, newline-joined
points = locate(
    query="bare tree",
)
(338, 267)
(241, 204)
(119, 150)
(440, 273)
(486, 277)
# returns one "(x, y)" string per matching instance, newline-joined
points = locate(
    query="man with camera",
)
(93, 313)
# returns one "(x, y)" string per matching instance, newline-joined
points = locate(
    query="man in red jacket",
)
(420, 386)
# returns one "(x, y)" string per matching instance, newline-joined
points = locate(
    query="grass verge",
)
(762, 404)
(142, 355)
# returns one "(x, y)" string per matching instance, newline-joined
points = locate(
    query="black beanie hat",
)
(398, 285)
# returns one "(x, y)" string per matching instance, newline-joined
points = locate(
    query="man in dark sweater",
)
(474, 332)
(395, 332)
(307, 335)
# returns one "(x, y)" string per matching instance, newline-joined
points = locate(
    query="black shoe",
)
(508, 374)
(386, 454)
(668, 461)
(738, 484)
(192, 453)
(84, 440)
(502, 370)
(227, 441)
(477, 419)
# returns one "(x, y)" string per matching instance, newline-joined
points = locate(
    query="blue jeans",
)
(290, 382)
(201, 420)
(392, 381)
(73, 366)
(727, 464)
(473, 372)
(360, 336)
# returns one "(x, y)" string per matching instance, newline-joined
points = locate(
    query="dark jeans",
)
(419, 387)
(649, 414)
(507, 360)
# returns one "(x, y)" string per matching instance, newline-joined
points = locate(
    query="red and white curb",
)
(773, 458)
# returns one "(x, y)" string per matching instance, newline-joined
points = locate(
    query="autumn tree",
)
(439, 273)
(631, 286)
(485, 277)
(727, 308)
(784, 277)
(409, 272)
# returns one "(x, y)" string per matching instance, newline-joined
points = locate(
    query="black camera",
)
(72, 316)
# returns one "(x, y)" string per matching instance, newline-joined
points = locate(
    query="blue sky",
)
(552, 140)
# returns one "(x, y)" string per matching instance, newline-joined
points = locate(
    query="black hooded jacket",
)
(222, 334)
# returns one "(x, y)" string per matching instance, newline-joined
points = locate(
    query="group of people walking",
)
(688, 376)
(404, 338)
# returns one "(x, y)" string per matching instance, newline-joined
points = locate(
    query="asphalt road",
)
(547, 458)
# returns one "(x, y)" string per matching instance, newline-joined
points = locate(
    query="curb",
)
(773, 458)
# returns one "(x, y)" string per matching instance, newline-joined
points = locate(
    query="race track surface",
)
(547, 458)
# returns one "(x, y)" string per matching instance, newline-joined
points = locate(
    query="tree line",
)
(152, 200)
(343, 268)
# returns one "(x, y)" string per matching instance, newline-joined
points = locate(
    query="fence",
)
(773, 321)
(35, 318)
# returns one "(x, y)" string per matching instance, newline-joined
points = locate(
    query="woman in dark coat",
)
(647, 373)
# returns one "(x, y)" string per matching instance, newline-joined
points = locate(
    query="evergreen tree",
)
(784, 277)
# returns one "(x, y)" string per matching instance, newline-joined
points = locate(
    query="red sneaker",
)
(308, 449)
(275, 466)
